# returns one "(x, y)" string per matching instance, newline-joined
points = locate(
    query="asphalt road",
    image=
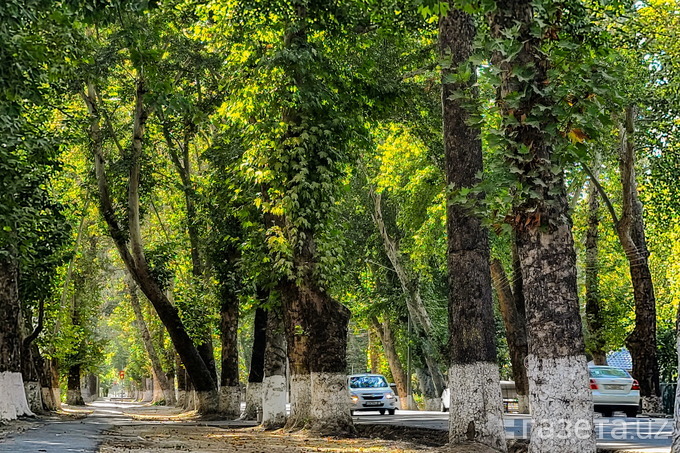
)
(82, 436)
(631, 434)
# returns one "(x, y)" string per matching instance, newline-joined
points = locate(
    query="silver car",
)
(371, 392)
(614, 390)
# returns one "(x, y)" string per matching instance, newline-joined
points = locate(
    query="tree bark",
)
(158, 375)
(476, 403)
(13, 402)
(386, 335)
(561, 402)
(274, 383)
(594, 315)
(134, 257)
(74, 396)
(256, 374)
(516, 333)
(297, 341)
(230, 391)
(642, 341)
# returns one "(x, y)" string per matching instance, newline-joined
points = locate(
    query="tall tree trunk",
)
(476, 402)
(642, 341)
(414, 302)
(274, 383)
(74, 395)
(230, 390)
(386, 335)
(561, 402)
(133, 254)
(31, 364)
(158, 375)
(516, 333)
(594, 315)
(182, 384)
(297, 347)
(13, 402)
(256, 374)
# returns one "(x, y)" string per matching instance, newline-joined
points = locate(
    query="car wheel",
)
(390, 411)
(382, 411)
(631, 412)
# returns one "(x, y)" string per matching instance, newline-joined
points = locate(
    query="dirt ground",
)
(164, 438)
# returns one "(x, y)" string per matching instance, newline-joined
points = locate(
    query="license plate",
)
(373, 403)
(614, 386)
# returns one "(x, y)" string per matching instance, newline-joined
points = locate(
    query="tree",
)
(476, 403)
(540, 220)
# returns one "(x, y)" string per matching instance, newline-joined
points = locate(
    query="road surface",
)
(69, 436)
(649, 435)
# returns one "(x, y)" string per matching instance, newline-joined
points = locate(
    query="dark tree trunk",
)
(642, 341)
(274, 384)
(297, 347)
(131, 249)
(259, 345)
(476, 404)
(594, 315)
(515, 331)
(230, 391)
(10, 317)
(557, 369)
(74, 396)
(256, 373)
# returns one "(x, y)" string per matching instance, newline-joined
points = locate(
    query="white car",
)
(371, 392)
(614, 390)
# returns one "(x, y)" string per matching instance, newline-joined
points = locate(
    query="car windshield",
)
(367, 382)
(608, 372)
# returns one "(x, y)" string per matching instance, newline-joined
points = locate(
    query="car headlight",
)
(354, 398)
(389, 396)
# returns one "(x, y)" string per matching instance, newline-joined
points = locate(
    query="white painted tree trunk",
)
(433, 404)
(651, 405)
(675, 446)
(561, 405)
(230, 401)
(33, 396)
(181, 398)
(253, 401)
(206, 402)
(51, 398)
(13, 401)
(475, 387)
(300, 400)
(330, 403)
(273, 402)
